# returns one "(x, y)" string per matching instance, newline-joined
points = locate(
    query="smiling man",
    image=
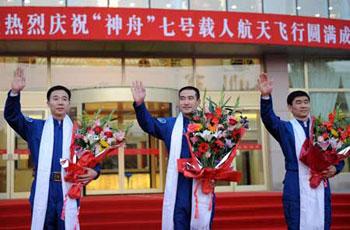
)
(178, 196)
(305, 208)
(48, 141)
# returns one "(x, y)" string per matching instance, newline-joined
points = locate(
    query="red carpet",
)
(253, 210)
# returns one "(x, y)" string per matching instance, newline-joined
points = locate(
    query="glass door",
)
(249, 159)
(16, 168)
(4, 157)
(21, 165)
(139, 167)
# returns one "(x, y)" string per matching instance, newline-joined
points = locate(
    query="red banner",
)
(130, 24)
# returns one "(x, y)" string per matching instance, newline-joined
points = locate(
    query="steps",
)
(251, 210)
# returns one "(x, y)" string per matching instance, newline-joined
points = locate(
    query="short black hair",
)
(294, 94)
(191, 88)
(55, 88)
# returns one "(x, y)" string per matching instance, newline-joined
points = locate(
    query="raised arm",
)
(268, 116)
(153, 126)
(12, 111)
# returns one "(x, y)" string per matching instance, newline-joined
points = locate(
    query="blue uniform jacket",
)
(31, 131)
(282, 131)
(162, 128)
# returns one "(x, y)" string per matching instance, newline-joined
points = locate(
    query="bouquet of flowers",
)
(92, 140)
(213, 136)
(329, 143)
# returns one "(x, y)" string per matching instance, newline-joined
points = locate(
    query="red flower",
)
(108, 134)
(236, 134)
(331, 117)
(209, 116)
(328, 125)
(218, 112)
(97, 129)
(203, 147)
(343, 136)
(196, 118)
(215, 120)
(232, 121)
(325, 135)
(219, 143)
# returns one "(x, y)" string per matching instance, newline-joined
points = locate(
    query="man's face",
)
(59, 104)
(300, 107)
(188, 101)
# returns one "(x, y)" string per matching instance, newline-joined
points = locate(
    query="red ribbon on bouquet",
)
(87, 160)
(317, 159)
(207, 176)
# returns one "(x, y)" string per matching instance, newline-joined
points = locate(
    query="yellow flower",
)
(103, 144)
(334, 133)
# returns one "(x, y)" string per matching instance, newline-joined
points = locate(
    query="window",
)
(218, 5)
(10, 2)
(328, 83)
(129, 3)
(314, 8)
(236, 74)
(170, 4)
(159, 72)
(86, 72)
(296, 73)
(34, 69)
(44, 3)
(283, 7)
(339, 9)
(245, 5)
(99, 3)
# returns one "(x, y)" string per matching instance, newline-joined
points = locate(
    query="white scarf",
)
(311, 200)
(43, 176)
(204, 201)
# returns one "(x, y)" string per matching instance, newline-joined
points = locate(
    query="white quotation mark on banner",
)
(96, 16)
(151, 18)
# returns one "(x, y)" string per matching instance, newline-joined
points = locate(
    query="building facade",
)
(98, 47)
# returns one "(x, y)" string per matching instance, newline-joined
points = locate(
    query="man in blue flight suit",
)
(304, 207)
(178, 197)
(48, 141)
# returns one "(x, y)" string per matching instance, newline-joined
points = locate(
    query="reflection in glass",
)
(35, 71)
(44, 3)
(249, 159)
(10, 2)
(296, 73)
(129, 3)
(236, 74)
(141, 155)
(99, 3)
(170, 4)
(314, 8)
(24, 165)
(3, 150)
(325, 73)
(86, 72)
(283, 7)
(159, 72)
(218, 5)
(245, 6)
(339, 9)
